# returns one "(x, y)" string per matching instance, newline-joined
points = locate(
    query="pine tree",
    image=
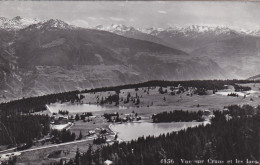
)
(80, 136)
(77, 117)
(77, 157)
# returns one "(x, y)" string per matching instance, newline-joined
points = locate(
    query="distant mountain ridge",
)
(53, 56)
(16, 23)
(187, 38)
(43, 57)
(256, 77)
(50, 25)
(236, 51)
(186, 30)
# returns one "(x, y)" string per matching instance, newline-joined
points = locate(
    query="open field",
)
(39, 157)
(154, 101)
(84, 127)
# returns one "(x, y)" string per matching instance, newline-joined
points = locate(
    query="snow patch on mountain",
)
(16, 23)
(191, 30)
(194, 30)
(50, 25)
(113, 27)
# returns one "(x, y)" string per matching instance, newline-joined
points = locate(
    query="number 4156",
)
(167, 161)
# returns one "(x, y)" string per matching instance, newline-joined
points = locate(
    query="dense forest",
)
(36, 104)
(18, 129)
(62, 136)
(239, 88)
(203, 84)
(245, 110)
(100, 140)
(177, 116)
(223, 140)
(110, 99)
(18, 126)
(232, 94)
(114, 117)
(109, 117)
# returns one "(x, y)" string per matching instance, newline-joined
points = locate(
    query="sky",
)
(244, 15)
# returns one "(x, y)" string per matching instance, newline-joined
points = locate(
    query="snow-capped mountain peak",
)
(255, 33)
(115, 28)
(190, 30)
(150, 30)
(17, 18)
(52, 24)
(16, 23)
(199, 29)
(56, 23)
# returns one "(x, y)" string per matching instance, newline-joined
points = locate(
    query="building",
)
(206, 112)
(108, 162)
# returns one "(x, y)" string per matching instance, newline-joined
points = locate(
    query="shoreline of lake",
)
(80, 108)
(151, 124)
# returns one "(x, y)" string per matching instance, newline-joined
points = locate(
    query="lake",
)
(250, 92)
(80, 108)
(129, 131)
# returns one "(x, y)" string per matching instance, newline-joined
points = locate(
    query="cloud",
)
(162, 12)
(116, 19)
(132, 20)
(80, 23)
(92, 18)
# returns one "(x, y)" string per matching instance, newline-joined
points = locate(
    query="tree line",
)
(232, 94)
(62, 136)
(18, 129)
(206, 84)
(37, 104)
(177, 116)
(239, 88)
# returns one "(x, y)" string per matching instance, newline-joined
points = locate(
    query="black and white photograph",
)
(129, 83)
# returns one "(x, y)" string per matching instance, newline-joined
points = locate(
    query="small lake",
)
(250, 92)
(129, 131)
(80, 108)
(226, 93)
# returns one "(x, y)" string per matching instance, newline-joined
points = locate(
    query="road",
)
(51, 146)
(56, 145)
(8, 150)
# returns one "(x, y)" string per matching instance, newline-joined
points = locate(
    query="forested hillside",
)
(18, 129)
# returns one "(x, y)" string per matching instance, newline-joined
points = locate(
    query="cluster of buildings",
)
(60, 122)
(6, 157)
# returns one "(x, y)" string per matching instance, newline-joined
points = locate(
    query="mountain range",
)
(41, 57)
(235, 51)
(16, 23)
(256, 77)
(184, 38)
